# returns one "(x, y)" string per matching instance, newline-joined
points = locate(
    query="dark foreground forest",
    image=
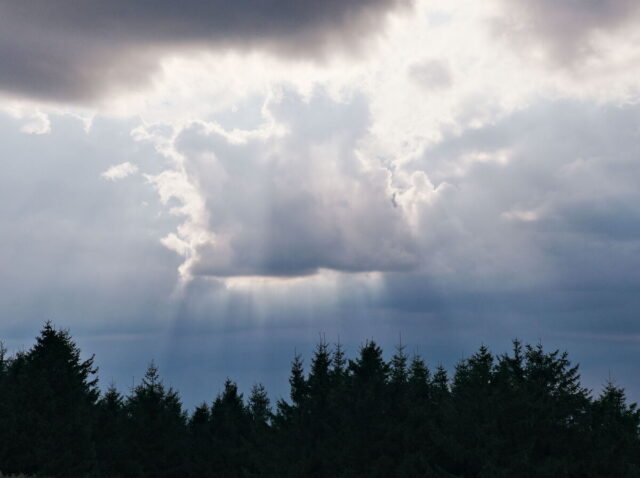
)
(523, 414)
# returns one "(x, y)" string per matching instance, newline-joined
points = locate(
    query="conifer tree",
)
(319, 376)
(398, 367)
(616, 428)
(201, 443)
(558, 408)
(368, 411)
(472, 401)
(109, 431)
(156, 428)
(232, 434)
(51, 395)
(513, 417)
(298, 382)
(338, 363)
(259, 406)
(419, 379)
(292, 416)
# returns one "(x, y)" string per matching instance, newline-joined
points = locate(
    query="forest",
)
(520, 414)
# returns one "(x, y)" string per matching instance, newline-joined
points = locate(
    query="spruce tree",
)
(368, 411)
(201, 443)
(232, 451)
(473, 421)
(259, 406)
(156, 428)
(616, 434)
(558, 408)
(51, 395)
(110, 434)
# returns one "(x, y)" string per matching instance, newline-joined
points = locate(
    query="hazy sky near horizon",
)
(213, 184)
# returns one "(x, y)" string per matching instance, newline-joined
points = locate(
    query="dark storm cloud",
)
(70, 50)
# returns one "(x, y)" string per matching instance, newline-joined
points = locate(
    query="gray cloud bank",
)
(565, 28)
(77, 51)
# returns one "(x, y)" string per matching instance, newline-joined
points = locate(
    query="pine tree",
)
(298, 382)
(472, 418)
(558, 408)
(419, 379)
(259, 406)
(51, 396)
(368, 411)
(262, 436)
(319, 376)
(232, 434)
(399, 373)
(110, 434)
(228, 412)
(400, 407)
(512, 454)
(338, 363)
(200, 442)
(616, 441)
(156, 428)
(318, 422)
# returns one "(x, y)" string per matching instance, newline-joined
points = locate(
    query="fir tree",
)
(232, 434)
(201, 443)
(156, 428)
(616, 428)
(259, 406)
(110, 428)
(51, 395)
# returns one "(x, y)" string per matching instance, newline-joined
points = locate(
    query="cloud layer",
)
(471, 175)
(566, 31)
(78, 51)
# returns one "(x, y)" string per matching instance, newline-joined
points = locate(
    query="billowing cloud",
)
(287, 204)
(70, 51)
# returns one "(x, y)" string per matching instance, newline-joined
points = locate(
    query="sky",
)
(219, 185)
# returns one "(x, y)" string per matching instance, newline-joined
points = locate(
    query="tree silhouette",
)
(110, 439)
(49, 399)
(156, 428)
(615, 427)
(522, 414)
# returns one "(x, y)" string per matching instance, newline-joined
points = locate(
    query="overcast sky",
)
(215, 184)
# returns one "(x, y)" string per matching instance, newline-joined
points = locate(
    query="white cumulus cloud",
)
(120, 171)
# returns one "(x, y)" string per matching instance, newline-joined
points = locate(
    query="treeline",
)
(522, 414)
